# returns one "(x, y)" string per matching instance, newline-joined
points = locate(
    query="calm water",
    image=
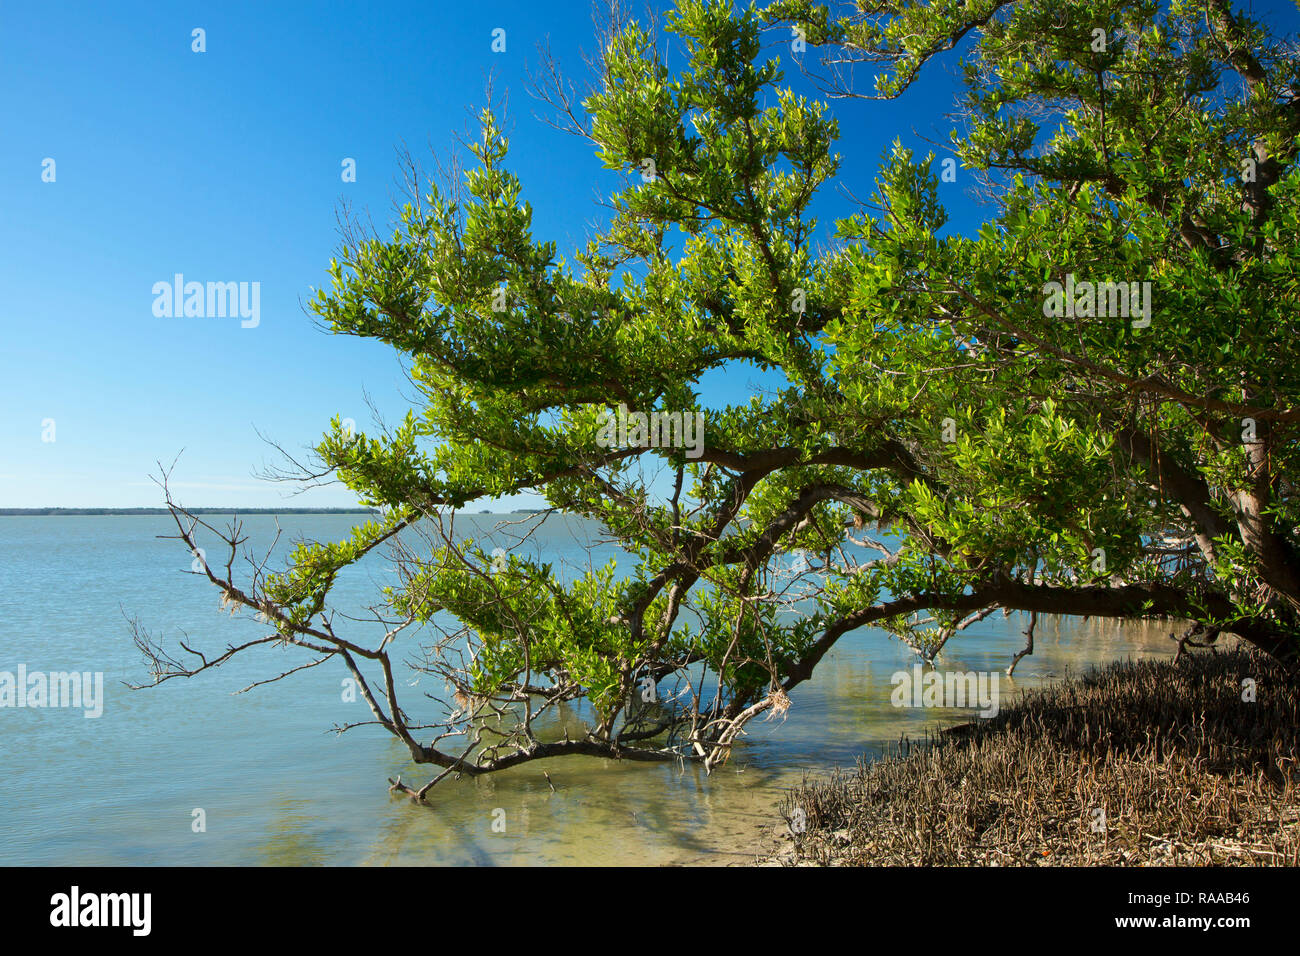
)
(278, 787)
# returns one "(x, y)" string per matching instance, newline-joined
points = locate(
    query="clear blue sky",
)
(225, 166)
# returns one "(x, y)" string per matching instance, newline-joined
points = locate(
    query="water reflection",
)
(278, 788)
(607, 812)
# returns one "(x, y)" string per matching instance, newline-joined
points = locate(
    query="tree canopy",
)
(1013, 419)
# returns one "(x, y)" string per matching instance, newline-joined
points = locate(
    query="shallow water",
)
(276, 786)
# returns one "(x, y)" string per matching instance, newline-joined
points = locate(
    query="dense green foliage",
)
(1012, 455)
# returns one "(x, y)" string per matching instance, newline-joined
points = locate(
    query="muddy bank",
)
(1140, 763)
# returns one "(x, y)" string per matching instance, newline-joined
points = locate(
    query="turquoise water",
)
(276, 786)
